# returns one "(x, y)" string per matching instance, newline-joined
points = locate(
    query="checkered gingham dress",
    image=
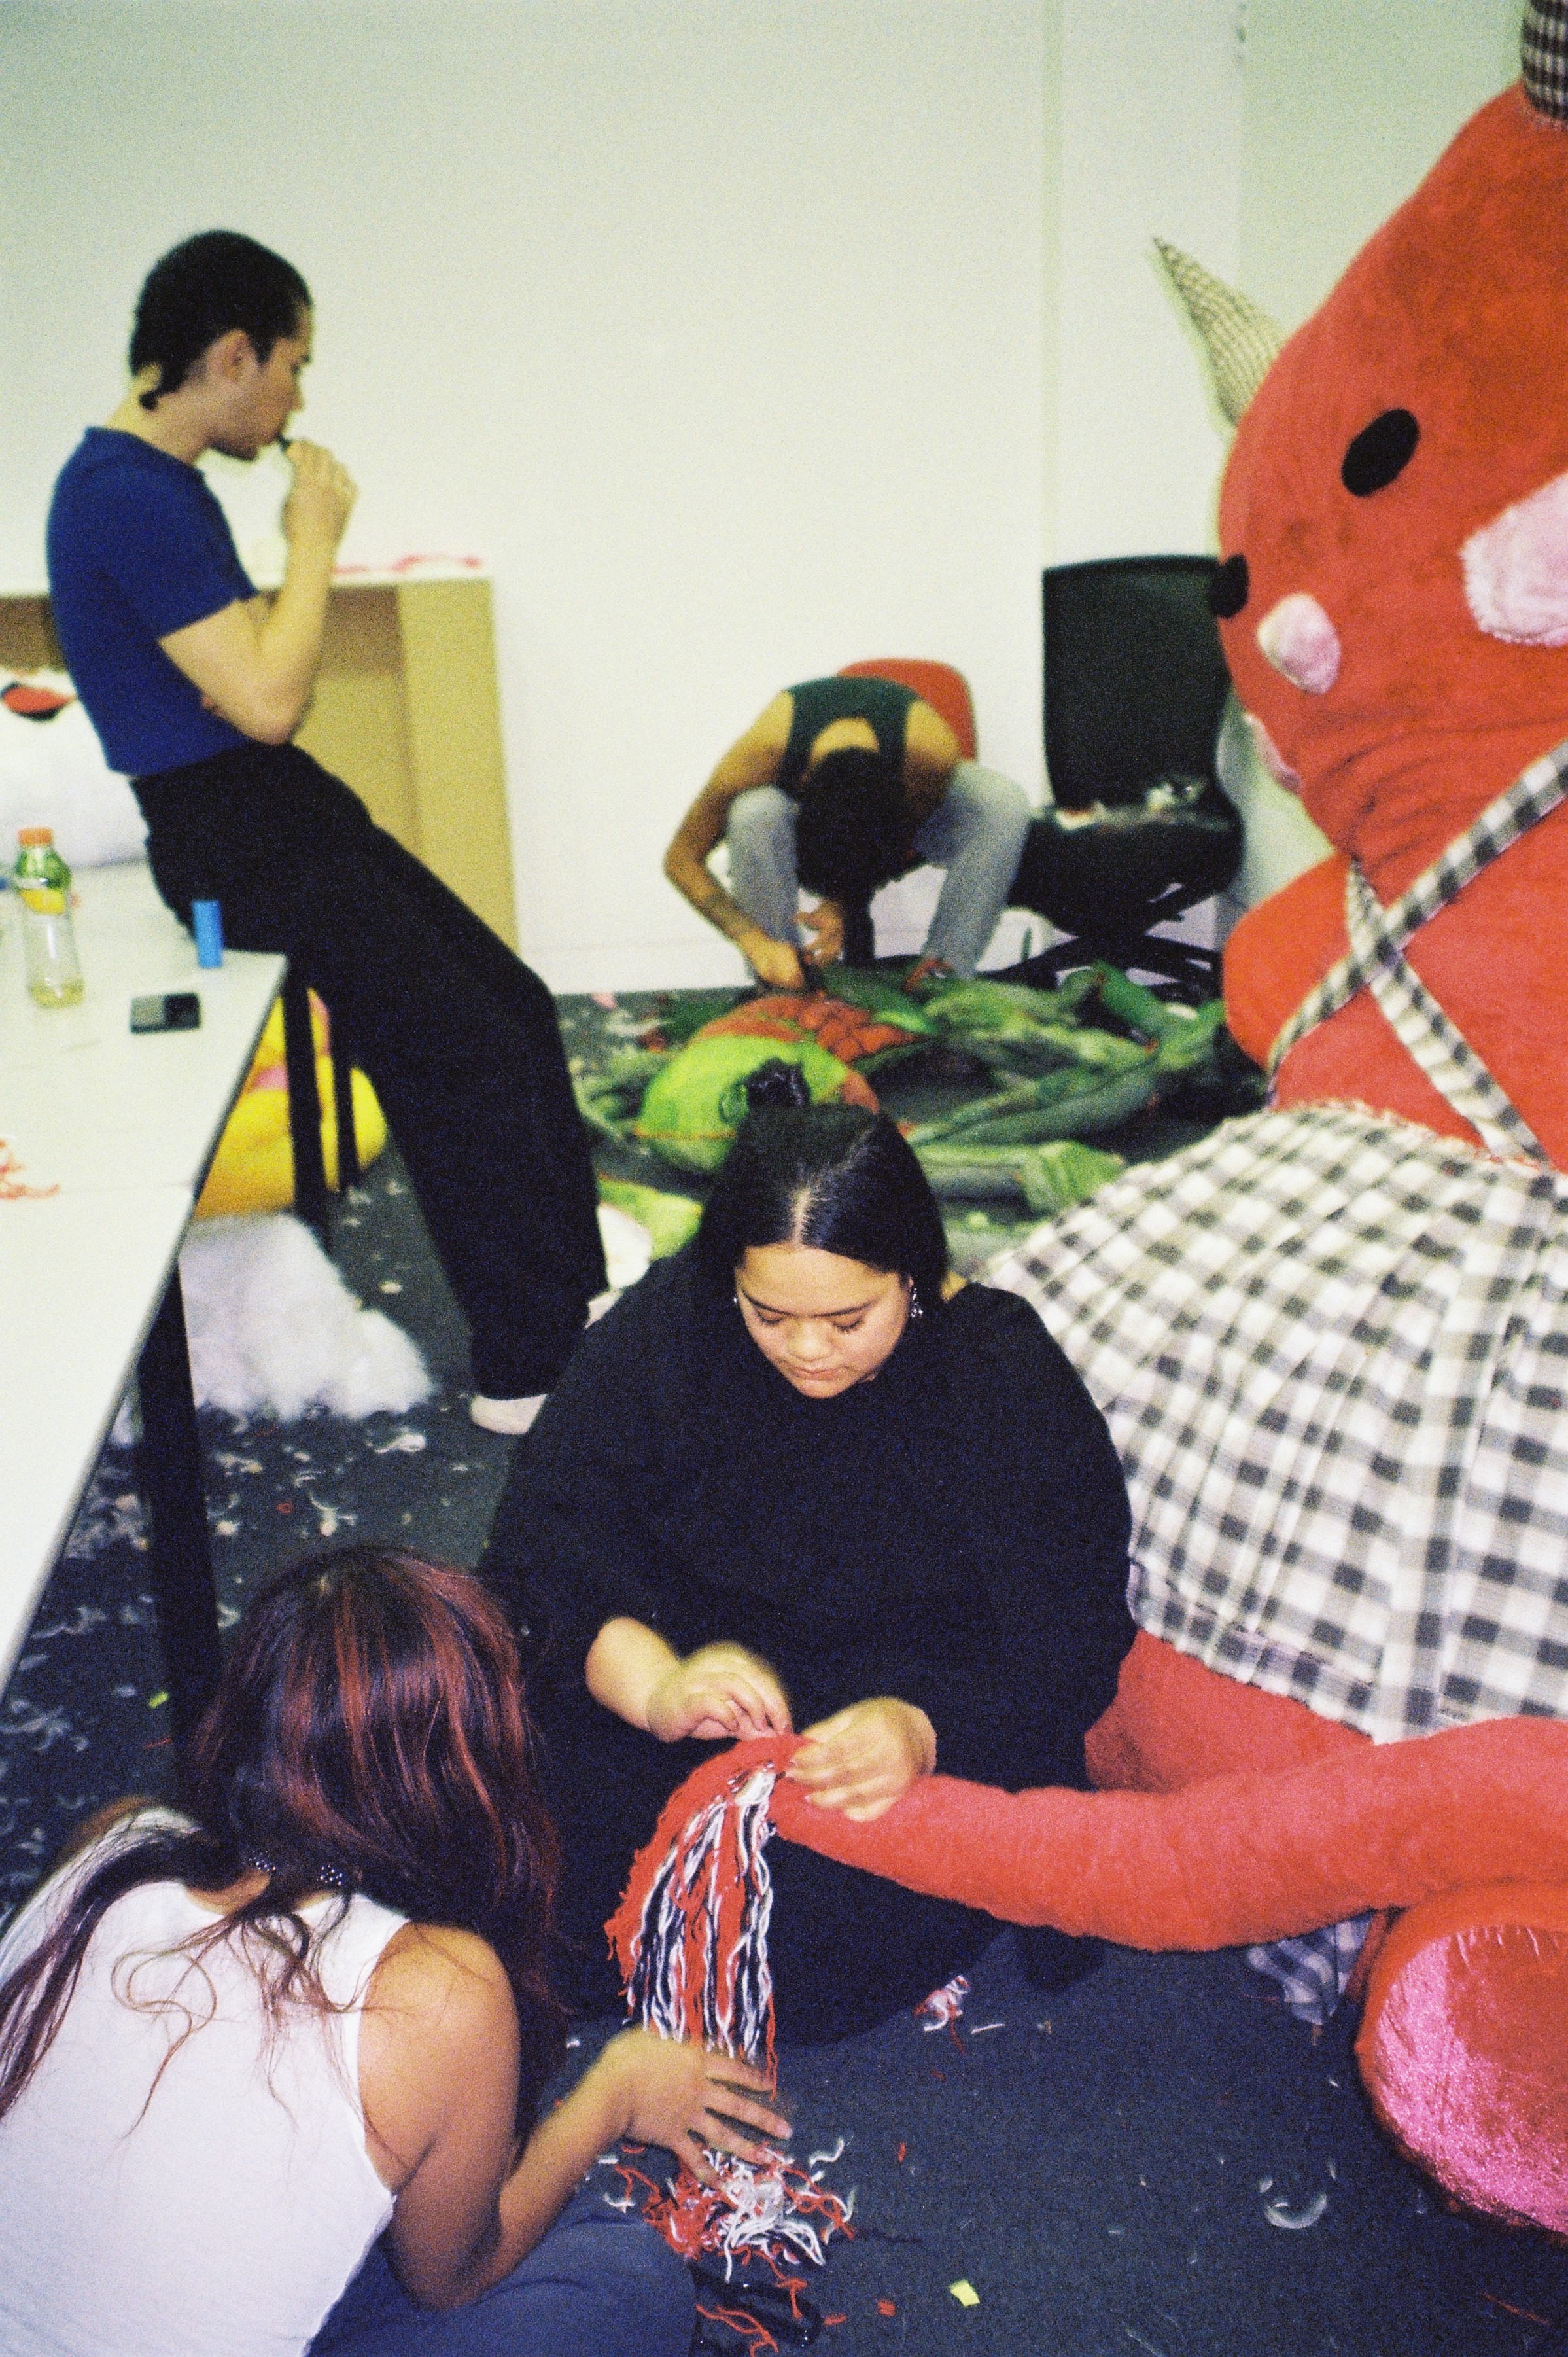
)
(1332, 1347)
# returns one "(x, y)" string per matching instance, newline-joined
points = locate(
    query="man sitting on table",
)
(841, 785)
(196, 686)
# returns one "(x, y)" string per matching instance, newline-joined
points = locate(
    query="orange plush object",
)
(1393, 595)
(1174, 1722)
(845, 1031)
(1402, 650)
(1394, 609)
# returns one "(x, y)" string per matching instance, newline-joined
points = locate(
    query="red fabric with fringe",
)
(690, 1937)
(1234, 1858)
(1249, 1855)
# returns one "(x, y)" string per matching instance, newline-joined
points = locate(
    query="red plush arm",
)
(1240, 1857)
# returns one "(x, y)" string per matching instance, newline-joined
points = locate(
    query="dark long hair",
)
(831, 1176)
(368, 1734)
(199, 291)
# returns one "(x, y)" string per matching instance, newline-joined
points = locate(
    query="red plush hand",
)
(862, 1758)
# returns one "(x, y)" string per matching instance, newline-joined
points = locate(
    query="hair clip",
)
(330, 1878)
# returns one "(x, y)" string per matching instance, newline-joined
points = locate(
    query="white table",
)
(88, 1104)
(122, 1127)
(81, 1278)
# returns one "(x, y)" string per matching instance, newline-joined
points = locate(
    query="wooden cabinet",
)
(405, 711)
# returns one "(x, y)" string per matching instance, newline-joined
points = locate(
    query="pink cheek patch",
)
(1273, 760)
(1297, 637)
(1516, 570)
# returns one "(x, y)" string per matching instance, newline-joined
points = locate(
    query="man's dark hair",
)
(851, 834)
(202, 289)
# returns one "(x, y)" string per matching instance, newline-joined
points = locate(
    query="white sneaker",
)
(509, 1416)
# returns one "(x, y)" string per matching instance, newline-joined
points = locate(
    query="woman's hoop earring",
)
(915, 1308)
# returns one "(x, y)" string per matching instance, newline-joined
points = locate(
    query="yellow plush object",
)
(253, 1170)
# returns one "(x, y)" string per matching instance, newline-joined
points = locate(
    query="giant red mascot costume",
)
(1332, 1341)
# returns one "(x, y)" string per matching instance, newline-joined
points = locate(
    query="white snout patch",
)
(1516, 570)
(1273, 760)
(1297, 637)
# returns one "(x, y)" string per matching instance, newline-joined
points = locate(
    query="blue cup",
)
(207, 924)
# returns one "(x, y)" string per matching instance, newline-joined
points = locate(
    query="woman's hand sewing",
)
(685, 2098)
(862, 1758)
(717, 1692)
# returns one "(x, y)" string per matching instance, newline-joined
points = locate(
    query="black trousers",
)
(457, 1037)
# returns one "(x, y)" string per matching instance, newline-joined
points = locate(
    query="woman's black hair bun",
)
(777, 1085)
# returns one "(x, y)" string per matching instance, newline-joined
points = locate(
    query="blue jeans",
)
(976, 832)
(600, 2284)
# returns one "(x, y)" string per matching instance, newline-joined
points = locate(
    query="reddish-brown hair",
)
(368, 1734)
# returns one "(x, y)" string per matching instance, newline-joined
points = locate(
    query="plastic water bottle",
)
(49, 938)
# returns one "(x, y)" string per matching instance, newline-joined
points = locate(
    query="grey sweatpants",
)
(976, 832)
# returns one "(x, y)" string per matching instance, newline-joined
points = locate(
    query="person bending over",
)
(801, 1477)
(272, 2065)
(196, 685)
(841, 785)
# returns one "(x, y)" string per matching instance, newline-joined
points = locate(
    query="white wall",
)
(1150, 146)
(715, 325)
(1349, 105)
(1266, 137)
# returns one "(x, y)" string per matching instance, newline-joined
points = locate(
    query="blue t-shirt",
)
(138, 547)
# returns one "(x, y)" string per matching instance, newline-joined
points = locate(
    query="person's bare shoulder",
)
(752, 761)
(770, 732)
(439, 2023)
(930, 751)
(760, 751)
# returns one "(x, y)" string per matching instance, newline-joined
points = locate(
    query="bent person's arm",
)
(438, 2078)
(253, 664)
(752, 760)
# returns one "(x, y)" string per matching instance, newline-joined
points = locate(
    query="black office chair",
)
(1134, 687)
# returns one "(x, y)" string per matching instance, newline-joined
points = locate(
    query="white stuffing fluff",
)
(275, 1331)
(628, 1247)
(53, 773)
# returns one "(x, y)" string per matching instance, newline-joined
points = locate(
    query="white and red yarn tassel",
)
(690, 1936)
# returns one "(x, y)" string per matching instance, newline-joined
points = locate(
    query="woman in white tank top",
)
(270, 2069)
